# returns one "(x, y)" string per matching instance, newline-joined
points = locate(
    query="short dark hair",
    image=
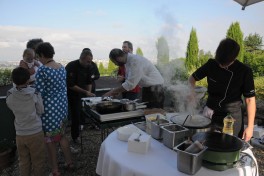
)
(114, 53)
(86, 49)
(85, 53)
(129, 44)
(20, 76)
(45, 49)
(33, 43)
(227, 51)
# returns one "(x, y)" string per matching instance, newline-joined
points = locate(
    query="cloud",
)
(4, 45)
(68, 43)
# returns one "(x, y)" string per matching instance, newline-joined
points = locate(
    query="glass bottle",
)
(228, 124)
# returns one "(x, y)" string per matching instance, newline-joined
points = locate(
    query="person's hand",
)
(247, 134)
(110, 93)
(23, 64)
(89, 94)
(120, 78)
(36, 63)
(208, 112)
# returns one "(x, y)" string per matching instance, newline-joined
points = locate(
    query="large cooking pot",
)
(195, 123)
(106, 107)
(223, 150)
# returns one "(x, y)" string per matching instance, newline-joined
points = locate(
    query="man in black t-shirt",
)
(95, 74)
(79, 85)
(228, 79)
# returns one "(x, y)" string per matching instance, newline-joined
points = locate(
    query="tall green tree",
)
(111, 69)
(101, 69)
(204, 57)
(234, 32)
(253, 42)
(191, 61)
(139, 52)
(163, 51)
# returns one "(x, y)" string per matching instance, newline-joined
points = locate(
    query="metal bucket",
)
(188, 163)
(173, 135)
(156, 131)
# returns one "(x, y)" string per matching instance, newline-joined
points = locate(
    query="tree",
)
(203, 57)
(111, 69)
(139, 52)
(234, 32)
(253, 42)
(101, 69)
(163, 51)
(191, 61)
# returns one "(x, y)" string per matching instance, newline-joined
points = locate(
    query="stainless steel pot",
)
(195, 123)
(129, 106)
(132, 106)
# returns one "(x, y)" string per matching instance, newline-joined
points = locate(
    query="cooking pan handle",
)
(186, 119)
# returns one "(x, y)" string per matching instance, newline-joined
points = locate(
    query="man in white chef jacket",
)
(139, 71)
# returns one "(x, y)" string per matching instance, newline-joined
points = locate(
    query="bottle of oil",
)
(228, 124)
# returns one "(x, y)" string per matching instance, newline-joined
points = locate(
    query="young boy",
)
(30, 64)
(27, 107)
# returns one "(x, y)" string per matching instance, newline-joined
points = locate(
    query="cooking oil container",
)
(228, 124)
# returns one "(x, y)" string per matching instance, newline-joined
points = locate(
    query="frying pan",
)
(106, 107)
(223, 150)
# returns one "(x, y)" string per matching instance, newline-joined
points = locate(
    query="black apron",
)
(235, 110)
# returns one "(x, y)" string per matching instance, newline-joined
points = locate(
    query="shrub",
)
(259, 86)
(5, 76)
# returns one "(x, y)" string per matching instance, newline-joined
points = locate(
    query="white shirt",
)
(140, 71)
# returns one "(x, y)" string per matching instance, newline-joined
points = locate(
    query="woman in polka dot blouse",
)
(51, 83)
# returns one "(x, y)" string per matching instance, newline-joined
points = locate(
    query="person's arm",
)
(192, 81)
(251, 112)
(39, 104)
(114, 91)
(24, 65)
(96, 74)
(87, 92)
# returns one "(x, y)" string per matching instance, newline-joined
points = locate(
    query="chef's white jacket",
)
(140, 71)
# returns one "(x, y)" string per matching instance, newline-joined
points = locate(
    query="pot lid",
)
(219, 142)
(194, 121)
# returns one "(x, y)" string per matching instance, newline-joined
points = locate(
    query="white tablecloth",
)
(115, 160)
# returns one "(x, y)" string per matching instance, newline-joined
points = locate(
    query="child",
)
(30, 63)
(27, 107)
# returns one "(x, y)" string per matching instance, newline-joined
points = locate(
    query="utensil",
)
(137, 139)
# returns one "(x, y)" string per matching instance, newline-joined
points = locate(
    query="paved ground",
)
(86, 161)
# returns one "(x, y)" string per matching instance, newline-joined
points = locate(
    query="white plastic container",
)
(123, 133)
(139, 146)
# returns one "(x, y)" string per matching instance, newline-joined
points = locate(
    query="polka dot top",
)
(51, 83)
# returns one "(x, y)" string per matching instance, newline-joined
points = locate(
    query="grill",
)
(89, 103)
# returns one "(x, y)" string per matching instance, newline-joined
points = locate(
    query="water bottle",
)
(228, 124)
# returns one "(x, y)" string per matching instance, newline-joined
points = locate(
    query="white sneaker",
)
(73, 150)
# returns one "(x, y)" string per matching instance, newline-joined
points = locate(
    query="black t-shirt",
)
(77, 75)
(226, 85)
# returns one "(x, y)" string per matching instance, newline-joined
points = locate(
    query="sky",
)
(102, 25)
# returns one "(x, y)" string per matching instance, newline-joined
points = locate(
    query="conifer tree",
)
(139, 52)
(192, 61)
(234, 32)
(163, 51)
